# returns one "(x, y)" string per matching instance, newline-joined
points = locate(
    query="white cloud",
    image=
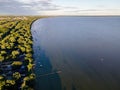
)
(32, 1)
(13, 7)
(48, 7)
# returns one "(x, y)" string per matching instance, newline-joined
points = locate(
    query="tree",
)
(2, 82)
(10, 82)
(10, 85)
(16, 75)
(1, 58)
(30, 66)
(12, 39)
(15, 53)
(17, 63)
(3, 52)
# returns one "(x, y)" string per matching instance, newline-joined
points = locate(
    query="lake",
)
(77, 53)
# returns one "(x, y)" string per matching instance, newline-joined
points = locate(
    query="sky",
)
(59, 7)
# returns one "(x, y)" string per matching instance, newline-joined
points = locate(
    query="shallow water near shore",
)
(77, 53)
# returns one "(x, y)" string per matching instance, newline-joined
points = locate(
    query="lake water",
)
(77, 53)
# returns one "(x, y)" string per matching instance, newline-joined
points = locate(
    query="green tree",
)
(15, 53)
(16, 75)
(1, 58)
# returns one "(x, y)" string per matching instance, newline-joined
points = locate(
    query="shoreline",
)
(17, 65)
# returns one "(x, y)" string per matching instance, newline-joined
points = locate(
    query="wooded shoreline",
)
(16, 53)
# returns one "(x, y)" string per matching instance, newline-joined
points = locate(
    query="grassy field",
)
(16, 60)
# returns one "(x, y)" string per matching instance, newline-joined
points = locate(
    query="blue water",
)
(77, 53)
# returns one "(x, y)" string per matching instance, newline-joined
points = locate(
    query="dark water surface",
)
(77, 53)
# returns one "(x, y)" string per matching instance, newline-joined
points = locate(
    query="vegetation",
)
(16, 60)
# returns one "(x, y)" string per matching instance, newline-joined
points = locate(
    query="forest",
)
(16, 53)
